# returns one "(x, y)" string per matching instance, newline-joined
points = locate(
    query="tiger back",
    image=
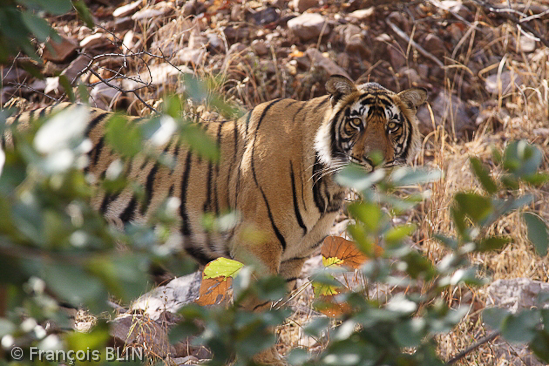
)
(276, 170)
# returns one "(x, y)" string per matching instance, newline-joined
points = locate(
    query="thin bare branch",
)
(420, 49)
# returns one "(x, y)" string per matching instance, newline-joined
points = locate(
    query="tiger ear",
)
(414, 97)
(338, 86)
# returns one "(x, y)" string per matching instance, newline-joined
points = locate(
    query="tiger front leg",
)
(266, 259)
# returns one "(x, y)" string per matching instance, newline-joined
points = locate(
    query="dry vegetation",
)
(486, 73)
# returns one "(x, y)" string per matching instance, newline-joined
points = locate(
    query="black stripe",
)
(319, 243)
(94, 122)
(109, 197)
(408, 140)
(129, 212)
(334, 133)
(42, 113)
(248, 120)
(97, 150)
(216, 197)
(207, 205)
(317, 182)
(185, 226)
(231, 165)
(198, 254)
(296, 205)
(149, 185)
(31, 115)
(260, 305)
(299, 110)
(290, 279)
(295, 259)
(278, 234)
(322, 103)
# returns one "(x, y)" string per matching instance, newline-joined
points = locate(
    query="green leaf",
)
(537, 179)
(67, 281)
(84, 13)
(483, 176)
(451, 243)
(397, 234)
(493, 243)
(297, 356)
(367, 213)
(317, 327)
(6, 327)
(67, 87)
(183, 330)
(477, 207)
(271, 288)
(222, 267)
(200, 142)
(354, 176)
(537, 232)
(38, 26)
(494, 317)
(55, 7)
(409, 333)
(125, 138)
(522, 159)
(540, 345)
(520, 328)
(405, 176)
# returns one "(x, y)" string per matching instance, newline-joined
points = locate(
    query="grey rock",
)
(170, 297)
(396, 57)
(506, 79)
(309, 26)
(190, 55)
(362, 14)
(449, 111)
(325, 63)
(13, 75)
(94, 40)
(127, 9)
(433, 44)
(260, 47)
(527, 44)
(77, 65)
(515, 295)
(60, 52)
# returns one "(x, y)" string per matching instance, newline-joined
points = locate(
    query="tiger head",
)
(368, 119)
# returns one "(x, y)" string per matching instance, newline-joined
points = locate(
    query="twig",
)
(421, 50)
(472, 347)
(20, 86)
(507, 14)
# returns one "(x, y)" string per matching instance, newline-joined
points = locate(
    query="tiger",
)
(277, 170)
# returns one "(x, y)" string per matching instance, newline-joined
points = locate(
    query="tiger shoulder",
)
(276, 169)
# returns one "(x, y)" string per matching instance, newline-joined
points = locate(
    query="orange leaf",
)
(340, 251)
(214, 291)
(332, 308)
(296, 54)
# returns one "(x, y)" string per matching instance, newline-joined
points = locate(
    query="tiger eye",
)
(392, 125)
(356, 122)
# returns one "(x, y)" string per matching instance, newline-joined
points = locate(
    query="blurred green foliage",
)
(23, 20)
